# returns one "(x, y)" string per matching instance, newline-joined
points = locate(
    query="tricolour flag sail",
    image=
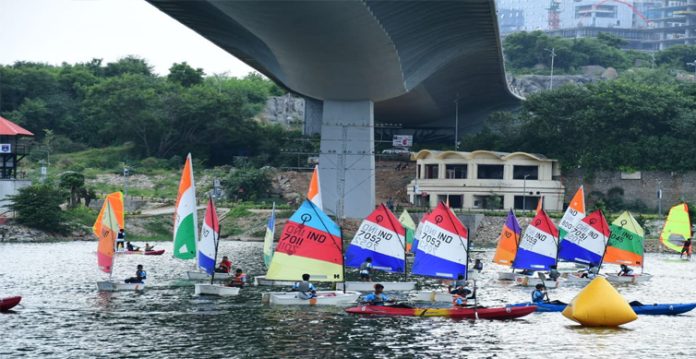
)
(626, 242)
(587, 241)
(185, 219)
(382, 238)
(268, 239)
(677, 228)
(573, 214)
(442, 245)
(508, 241)
(106, 229)
(210, 235)
(314, 192)
(115, 200)
(310, 243)
(410, 227)
(539, 245)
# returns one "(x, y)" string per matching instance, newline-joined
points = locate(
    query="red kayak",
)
(147, 253)
(9, 303)
(456, 312)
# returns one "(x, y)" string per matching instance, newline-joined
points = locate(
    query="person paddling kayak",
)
(140, 275)
(305, 288)
(539, 294)
(378, 297)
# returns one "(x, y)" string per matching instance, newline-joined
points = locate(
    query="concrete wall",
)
(9, 188)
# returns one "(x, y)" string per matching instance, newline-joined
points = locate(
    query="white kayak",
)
(216, 290)
(437, 295)
(113, 286)
(333, 297)
(370, 286)
(631, 279)
(262, 281)
(197, 275)
(527, 281)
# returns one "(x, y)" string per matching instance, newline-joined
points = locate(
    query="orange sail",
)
(508, 241)
(106, 228)
(314, 192)
(115, 200)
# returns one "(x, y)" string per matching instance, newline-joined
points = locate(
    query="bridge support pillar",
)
(347, 160)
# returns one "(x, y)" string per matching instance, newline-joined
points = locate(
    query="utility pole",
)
(553, 56)
(456, 123)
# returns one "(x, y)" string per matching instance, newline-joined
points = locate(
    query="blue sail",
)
(587, 241)
(538, 247)
(442, 246)
(381, 237)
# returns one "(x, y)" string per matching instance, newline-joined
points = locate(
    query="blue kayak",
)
(639, 308)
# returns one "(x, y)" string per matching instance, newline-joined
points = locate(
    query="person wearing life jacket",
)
(148, 247)
(140, 275)
(239, 279)
(305, 288)
(554, 273)
(686, 248)
(625, 271)
(460, 296)
(478, 265)
(366, 270)
(591, 271)
(225, 266)
(131, 247)
(460, 282)
(539, 294)
(120, 239)
(376, 298)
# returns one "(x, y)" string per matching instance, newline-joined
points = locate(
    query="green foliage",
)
(185, 75)
(74, 183)
(81, 215)
(38, 206)
(247, 184)
(677, 57)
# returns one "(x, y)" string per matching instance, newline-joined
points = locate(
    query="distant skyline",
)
(56, 31)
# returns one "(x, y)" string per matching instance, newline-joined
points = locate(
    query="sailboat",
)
(573, 214)
(677, 228)
(626, 246)
(106, 229)
(586, 243)
(380, 237)
(207, 254)
(538, 250)
(260, 280)
(508, 241)
(410, 227)
(310, 244)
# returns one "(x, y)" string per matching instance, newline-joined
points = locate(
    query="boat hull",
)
(542, 307)
(216, 290)
(369, 286)
(111, 286)
(336, 298)
(527, 281)
(262, 281)
(645, 309)
(571, 278)
(9, 303)
(196, 275)
(499, 313)
(633, 279)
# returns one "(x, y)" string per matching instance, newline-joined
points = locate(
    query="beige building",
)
(486, 180)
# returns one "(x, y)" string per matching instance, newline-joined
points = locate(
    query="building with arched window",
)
(486, 180)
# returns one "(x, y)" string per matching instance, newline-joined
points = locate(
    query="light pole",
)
(524, 193)
(694, 65)
(456, 123)
(553, 56)
(659, 198)
(125, 186)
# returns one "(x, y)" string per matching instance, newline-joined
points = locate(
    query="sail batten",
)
(185, 217)
(442, 246)
(381, 238)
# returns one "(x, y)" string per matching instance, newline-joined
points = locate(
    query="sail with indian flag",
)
(106, 229)
(310, 243)
(574, 214)
(410, 227)
(185, 219)
(314, 192)
(508, 241)
(626, 241)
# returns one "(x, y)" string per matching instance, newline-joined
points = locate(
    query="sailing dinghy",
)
(207, 254)
(310, 244)
(626, 247)
(677, 228)
(586, 243)
(106, 229)
(410, 227)
(538, 250)
(380, 237)
(508, 241)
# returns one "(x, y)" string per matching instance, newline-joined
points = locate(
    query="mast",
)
(216, 225)
(606, 242)
(108, 212)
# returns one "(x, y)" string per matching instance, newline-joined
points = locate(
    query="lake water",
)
(62, 315)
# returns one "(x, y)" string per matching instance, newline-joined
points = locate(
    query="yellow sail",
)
(677, 228)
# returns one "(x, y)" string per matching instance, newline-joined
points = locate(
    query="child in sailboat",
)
(120, 239)
(378, 297)
(305, 288)
(239, 279)
(625, 271)
(140, 275)
(366, 270)
(553, 272)
(225, 266)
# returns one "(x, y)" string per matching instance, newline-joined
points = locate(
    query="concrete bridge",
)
(415, 63)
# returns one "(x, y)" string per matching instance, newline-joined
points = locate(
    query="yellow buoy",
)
(599, 305)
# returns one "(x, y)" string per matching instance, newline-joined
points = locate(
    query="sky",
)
(57, 31)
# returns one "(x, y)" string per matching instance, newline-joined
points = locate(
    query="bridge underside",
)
(405, 62)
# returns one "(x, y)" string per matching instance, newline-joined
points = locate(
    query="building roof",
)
(9, 128)
(503, 156)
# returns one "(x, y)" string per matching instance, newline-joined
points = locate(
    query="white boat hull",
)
(432, 296)
(196, 275)
(336, 298)
(633, 279)
(573, 279)
(112, 286)
(509, 275)
(526, 281)
(262, 281)
(216, 290)
(369, 286)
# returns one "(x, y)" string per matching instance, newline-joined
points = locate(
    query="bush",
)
(247, 184)
(38, 206)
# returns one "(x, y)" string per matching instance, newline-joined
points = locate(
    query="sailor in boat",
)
(539, 295)
(239, 279)
(366, 270)
(625, 271)
(459, 283)
(686, 248)
(590, 272)
(120, 239)
(461, 295)
(225, 266)
(478, 265)
(305, 288)
(148, 247)
(554, 273)
(140, 275)
(376, 298)
(131, 247)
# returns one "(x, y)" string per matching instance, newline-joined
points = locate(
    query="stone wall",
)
(287, 111)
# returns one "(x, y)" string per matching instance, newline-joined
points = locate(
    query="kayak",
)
(639, 308)
(370, 286)
(631, 279)
(146, 253)
(113, 286)
(499, 313)
(338, 298)
(9, 303)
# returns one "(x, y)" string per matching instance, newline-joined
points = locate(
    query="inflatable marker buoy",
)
(599, 305)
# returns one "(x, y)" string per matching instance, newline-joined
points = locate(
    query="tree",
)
(38, 206)
(128, 65)
(248, 184)
(73, 182)
(677, 56)
(185, 75)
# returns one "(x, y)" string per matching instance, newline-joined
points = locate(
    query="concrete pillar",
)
(347, 160)
(313, 116)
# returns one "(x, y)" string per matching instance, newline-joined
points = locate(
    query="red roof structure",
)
(9, 128)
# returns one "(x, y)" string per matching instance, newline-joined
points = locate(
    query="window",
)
(455, 171)
(519, 172)
(526, 203)
(430, 171)
(490, 171)
(488, 202)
